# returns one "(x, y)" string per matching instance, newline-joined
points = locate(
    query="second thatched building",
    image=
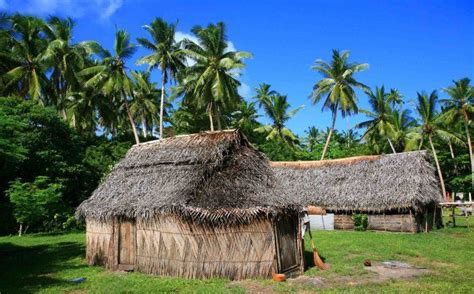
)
(399, 192)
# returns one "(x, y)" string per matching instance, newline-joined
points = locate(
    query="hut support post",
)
(434, 217)
(426, 221)
(453, 216)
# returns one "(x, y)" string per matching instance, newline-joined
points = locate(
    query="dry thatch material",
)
(369, 183)
(215, 177)
(170, 246)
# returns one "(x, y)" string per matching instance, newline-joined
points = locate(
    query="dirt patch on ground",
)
(251, 286)
(377, 273)
(387, 273)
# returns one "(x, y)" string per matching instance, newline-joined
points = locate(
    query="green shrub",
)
(361, 221)
(34, 202)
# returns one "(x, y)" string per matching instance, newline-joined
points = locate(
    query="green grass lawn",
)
(46, 263)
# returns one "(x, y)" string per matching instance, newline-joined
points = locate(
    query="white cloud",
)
(111, 7)
(244, 90)
(102, 9)
(179, 36)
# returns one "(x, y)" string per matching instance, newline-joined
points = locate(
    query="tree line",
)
(70, 110)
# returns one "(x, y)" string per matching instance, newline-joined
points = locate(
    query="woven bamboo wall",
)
(343, 222)
(170, 246)
(392, 223)
(99, 241)
(380, 222)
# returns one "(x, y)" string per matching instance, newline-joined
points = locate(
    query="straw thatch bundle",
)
(212, 177)
(368, 183)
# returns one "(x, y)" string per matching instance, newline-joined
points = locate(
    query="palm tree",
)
(402, 123)
(263, 92)
(144, 105)
(276, 108)
(350, 137)
(27, 72)
(65, 59)
(337, 86)
(431, 125)
(166, 55)
(381, 120)
(212, 81)
(245, 116)
(313, 136)
(111, 75)
(461, 105)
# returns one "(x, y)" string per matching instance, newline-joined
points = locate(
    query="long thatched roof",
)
(367, 183)
(210, 177)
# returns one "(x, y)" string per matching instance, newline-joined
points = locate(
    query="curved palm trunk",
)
(438, 167)
(391, 146)
(211, 122)
(144, 128)
(451, 151)
(421, 143)
(132, 123)
(469, 144)
(162, 103)
(328, 139)
(218, 116)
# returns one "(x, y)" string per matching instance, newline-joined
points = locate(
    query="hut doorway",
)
(126, 245)
(286, 239)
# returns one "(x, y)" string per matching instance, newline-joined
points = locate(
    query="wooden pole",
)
(454, 218)
(426, 221)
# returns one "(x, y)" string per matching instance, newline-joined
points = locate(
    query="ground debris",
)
(308, 281)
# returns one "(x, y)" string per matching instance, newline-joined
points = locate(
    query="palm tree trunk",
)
(218, 115)
(391, 146)
(132, 123)
(469, 144)
(421, 143)
(451, 149)
(438, 167)
(20, 230)
(211, 122)
(144, 130)
(162, 103)
(328, 139)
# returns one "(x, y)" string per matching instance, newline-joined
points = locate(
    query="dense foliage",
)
(71, 109)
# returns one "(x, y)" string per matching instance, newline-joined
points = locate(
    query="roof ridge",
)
(183, 136)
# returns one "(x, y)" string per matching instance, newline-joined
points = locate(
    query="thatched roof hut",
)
(387, 184)
(199, 205)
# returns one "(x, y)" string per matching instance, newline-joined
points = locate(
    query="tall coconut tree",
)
(402, 123)
(337, 87)
(263, 92)
(65, 59)
(111, 75)
(166, 55)
(144, 105)
(380, 116)
(245, 116)
(460, 106)
(211, 82)
(26, 75)
(431, 126)
(276, 107)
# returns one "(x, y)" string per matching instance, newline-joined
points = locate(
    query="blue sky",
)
(410, 45)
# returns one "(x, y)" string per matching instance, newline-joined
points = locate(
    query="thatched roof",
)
(213, 176)
(366, 183)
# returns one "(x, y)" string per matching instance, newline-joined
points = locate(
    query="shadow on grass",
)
(26, 269)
